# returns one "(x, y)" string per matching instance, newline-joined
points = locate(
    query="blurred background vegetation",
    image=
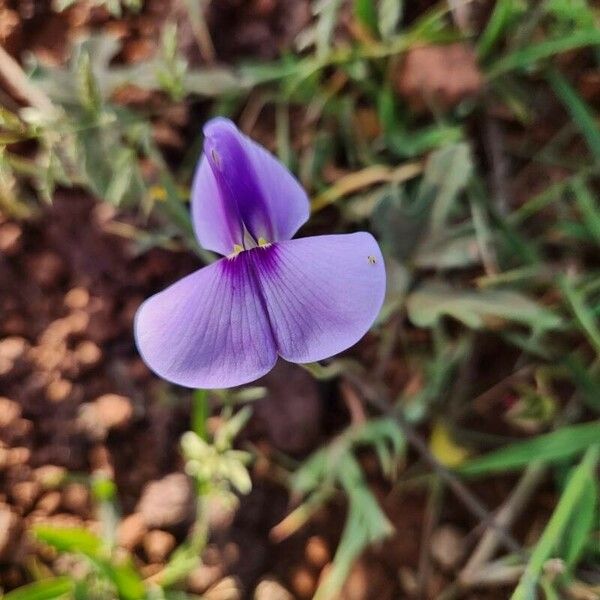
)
(454, 452)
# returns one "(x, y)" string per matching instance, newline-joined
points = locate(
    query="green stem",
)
(200, 413)
(555, 527)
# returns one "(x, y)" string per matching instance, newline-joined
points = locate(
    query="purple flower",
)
(303, 300)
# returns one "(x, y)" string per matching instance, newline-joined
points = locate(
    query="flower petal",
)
(322, 293)
(287, 203)
(217, 223)
(208, 330)
(237, 179)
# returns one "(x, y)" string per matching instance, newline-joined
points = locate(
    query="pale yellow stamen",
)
(237, 248)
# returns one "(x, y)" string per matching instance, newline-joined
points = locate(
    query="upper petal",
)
(238, 179)
(287, 203)
(217, 223)
(321, 293)
(208, 330)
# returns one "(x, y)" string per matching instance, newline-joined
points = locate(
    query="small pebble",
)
(13, 347)
(87, 353)
(10, 237)
(202, 577)
(18, 456)
(303, 582)
(131, 531)
(10, 528)
(226, 589)
(167, 502)
(25, 493)
(107, 412)
(447, 546)
(317, 553)
(271, 589)
(77, 298)
(76, 498)
(158, 545)
(59, 390)
(49, 502)
(77, 321)
(50, 476)
(10, 411)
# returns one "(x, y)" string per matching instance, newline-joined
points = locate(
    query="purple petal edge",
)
(322, 294)
(208, 330)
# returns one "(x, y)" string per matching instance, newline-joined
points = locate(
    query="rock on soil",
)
(227, 589)
(131, 531)
(448, 546)
(439, 76)
(158, 545)
(10, 531)
(108, 412)
(271, 589)
(203, 577)
(10, 411)
(167, 502)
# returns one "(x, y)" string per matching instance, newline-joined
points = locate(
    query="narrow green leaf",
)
(477, 309)
(586, 379)
(550, 447)
(89, 91)
(499, 20)
(180, 564)
(124, 163)
(126, 580)
(555, 528)
(47, 589)
(528, 56)
(588, 207)
(580, 112)
(365, 12)
(585, 317)
(447, 173)
(365, 524)
(69, 539)
(406, 144)
(583, 521)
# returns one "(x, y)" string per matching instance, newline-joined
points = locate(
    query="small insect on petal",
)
(215, 156)
(372, 260)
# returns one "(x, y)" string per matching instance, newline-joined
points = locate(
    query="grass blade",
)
(48, 589)
(578, 109)
(550, 447)
(499, 19)
(583, 314)
(557, 524)
(590, 212)
(526, 57)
